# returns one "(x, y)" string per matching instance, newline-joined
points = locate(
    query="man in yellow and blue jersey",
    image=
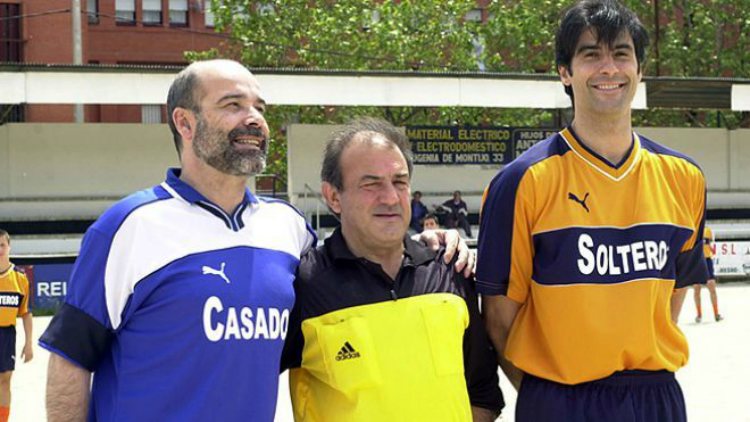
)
(588, 238)
(708, 252)
(382, 328)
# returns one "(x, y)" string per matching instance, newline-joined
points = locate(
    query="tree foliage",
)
(520, 35)
(350, 34)
(695, 38)
(710, 38)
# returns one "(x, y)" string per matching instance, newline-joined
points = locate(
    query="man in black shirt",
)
(382, 328)
(457, 213)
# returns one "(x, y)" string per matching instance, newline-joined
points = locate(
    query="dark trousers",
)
(628, 396)
(458, 221)
(7, 348)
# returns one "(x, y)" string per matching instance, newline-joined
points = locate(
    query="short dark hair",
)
(182, 93)
(366, 126)
(430, 216)
(5, 234)
(608, 18)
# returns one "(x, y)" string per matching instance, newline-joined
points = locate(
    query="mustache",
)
(396, 209)
(249, 131)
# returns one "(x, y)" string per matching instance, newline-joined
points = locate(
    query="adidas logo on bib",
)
(347, 352)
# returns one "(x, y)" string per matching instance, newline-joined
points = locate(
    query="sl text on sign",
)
(471, 144)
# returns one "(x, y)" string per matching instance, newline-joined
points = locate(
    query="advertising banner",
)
(48, 283)
(732, 258)
(471, 144)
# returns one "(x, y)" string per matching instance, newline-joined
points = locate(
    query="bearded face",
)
(239, 152)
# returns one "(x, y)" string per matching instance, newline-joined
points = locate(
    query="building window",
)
(92, 11)
(11, 45)
(178, 12)
(208, 13)
(152, 12)
(12, 113)
(151, 113)
(125, 12)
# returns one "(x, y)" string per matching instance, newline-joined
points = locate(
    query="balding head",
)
(186, 90)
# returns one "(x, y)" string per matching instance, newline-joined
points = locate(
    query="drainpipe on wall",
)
(77, 53)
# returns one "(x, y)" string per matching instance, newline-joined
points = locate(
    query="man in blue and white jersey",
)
(180, 298)
(179, 301)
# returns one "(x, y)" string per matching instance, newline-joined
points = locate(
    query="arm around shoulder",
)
(68, 390)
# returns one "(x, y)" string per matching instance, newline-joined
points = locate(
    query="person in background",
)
(430, 222)
(711, 284)
(14, 303)
(457, 213)
(418, 211)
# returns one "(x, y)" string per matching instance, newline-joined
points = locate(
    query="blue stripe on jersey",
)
(606, 255)
(655, 148)
(492, 276)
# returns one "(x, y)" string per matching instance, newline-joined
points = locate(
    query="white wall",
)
(723, 155)
(739, 158)
(306, 143)
(708, 147)
(55, 171)
(62, 160)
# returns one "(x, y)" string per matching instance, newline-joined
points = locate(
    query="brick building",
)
(113, 32)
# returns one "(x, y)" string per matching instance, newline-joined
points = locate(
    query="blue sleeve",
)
(691, 265)
(81, 331)
(496, 234)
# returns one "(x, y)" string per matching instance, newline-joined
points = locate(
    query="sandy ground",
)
(715, 380)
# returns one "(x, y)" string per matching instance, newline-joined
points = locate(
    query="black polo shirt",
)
(331, 278)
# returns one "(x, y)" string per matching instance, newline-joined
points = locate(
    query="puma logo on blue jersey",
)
(574, 198)
(219, 272)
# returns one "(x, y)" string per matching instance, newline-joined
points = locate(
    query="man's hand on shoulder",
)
(451, 239)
